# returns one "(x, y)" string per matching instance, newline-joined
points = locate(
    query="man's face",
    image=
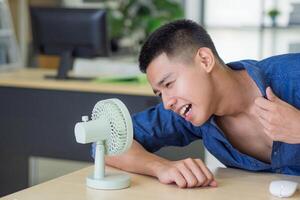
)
(186, 89)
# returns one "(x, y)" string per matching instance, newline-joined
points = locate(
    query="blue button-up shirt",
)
(156, 127)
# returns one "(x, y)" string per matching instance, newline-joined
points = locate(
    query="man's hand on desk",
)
(187, 173)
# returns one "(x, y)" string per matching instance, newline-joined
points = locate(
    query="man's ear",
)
(205, 58)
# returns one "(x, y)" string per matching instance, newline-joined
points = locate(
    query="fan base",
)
(113, 181)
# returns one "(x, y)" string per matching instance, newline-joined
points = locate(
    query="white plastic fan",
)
(111, 130)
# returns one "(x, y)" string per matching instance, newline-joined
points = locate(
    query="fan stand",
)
(100, 180)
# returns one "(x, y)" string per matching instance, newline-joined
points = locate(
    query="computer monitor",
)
(69, 33)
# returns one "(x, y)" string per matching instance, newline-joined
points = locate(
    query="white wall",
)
(232, 13)
(235, 13)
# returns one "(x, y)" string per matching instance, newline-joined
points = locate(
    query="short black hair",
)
(175, 38)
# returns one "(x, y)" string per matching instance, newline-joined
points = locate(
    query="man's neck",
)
(236, 92)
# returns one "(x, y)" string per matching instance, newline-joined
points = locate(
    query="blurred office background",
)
(240, 29)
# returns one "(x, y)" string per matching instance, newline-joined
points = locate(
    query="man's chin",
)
(199, 122)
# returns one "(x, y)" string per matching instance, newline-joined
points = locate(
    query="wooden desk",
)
(34, 79)
(38, 115)
(233, 184)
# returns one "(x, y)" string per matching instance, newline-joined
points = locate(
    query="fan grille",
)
(118, 139)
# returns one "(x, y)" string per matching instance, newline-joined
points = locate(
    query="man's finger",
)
(213, 183)
(270, 94)
(267, 127)
(179, 179)
(264, 103)
(207, 173)
(263, 122)
(271, 135)
(196, 170)
(264, 114)
(189, 177)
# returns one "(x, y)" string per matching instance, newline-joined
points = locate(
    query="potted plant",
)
(131, 21)
(273, 14)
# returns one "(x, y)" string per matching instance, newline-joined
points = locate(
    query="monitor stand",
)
(66, 63)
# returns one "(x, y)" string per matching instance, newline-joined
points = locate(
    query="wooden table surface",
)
(233, 184)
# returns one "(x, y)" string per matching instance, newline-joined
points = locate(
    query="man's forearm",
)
(137, 160)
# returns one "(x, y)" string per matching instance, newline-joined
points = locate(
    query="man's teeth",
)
(185, 109)
(182, 111)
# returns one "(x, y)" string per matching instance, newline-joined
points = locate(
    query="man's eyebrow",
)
(164, 79)
(155, 91)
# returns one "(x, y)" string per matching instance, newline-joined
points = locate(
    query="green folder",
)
(139, 79)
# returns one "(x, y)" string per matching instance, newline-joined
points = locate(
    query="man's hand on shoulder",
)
(187, 173)
(279, 119)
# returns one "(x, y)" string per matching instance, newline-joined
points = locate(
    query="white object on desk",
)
(111, 129)
(118, 67)
(283, 188)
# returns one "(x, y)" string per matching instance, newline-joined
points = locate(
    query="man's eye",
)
(168, 84)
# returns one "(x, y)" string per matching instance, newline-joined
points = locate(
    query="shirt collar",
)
(251, 66)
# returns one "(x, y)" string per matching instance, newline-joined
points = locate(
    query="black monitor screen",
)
(69, 33)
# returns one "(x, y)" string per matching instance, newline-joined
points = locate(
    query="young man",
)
(229, 106)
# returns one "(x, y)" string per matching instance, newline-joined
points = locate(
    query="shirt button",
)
(275, 153)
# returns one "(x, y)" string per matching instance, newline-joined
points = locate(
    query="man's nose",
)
(169, 102)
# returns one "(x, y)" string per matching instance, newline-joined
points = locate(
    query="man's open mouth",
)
(185, 109)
